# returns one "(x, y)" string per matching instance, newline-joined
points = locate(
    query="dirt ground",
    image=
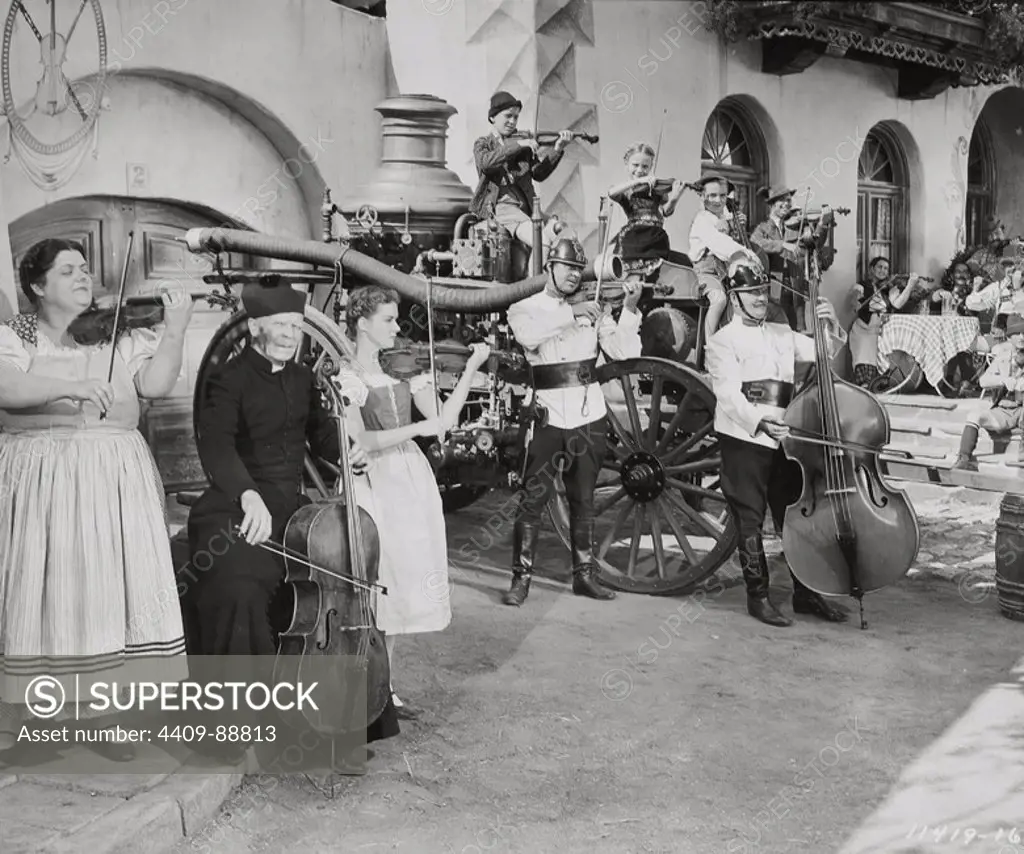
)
(644, 724)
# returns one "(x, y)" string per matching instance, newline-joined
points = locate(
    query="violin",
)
(421, 352)
(95, 325)
(813, 216)
(332, 551)
(550, 137)
(849, 533)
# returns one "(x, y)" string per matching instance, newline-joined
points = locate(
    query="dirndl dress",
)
(87, 584)
(400, 493)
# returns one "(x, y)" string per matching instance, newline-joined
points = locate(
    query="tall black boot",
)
(968, 442)
(806, 601)
(584, 578)
(755, 574)
(524, 549)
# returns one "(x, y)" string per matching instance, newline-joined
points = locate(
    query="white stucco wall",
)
(651, 56)
(216, 99)
(194, 149)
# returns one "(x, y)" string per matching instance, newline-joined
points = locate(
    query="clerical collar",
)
(262, 363)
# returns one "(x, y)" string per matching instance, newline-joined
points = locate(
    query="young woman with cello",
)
(752, 363)
(400, 490)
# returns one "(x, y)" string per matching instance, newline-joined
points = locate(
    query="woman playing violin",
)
(400, 490)
(642, 243)
(872, 298)
(84, 551)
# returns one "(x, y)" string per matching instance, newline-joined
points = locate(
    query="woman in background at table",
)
(871, 295)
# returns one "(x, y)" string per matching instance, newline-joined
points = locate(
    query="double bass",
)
(331, 551)
(850, 533)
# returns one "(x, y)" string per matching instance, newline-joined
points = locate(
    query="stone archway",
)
(1002, 118)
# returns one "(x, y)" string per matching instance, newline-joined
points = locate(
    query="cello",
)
(850, 533)
(331, 549)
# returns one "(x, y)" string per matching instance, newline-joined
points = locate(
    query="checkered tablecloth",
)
(932, 341)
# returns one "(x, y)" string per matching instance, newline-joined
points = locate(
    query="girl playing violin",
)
(642, 243)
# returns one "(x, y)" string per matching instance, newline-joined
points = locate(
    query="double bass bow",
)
(849, 533)
(331, 550)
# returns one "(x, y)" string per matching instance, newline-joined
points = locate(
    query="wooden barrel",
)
(1010, 557)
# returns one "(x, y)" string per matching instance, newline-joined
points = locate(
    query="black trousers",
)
(756, 479)
(579, 454)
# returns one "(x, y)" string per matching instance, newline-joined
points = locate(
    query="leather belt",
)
(564, 374)
(768, 392)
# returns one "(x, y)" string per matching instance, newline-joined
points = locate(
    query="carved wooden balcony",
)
(932, 48)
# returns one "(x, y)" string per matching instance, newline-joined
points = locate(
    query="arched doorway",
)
(733, 146)
(101, 224)
(981, 201)
(882, 213)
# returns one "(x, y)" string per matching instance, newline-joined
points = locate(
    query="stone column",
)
(465, 50)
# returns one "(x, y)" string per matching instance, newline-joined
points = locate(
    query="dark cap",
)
(272, 295)
(776, 193)
(1014, 324)
(502, 101)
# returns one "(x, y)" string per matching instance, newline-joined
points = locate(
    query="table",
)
(931, 340)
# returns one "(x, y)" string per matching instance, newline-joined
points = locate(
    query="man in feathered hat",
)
(752, 363)
(784, 256)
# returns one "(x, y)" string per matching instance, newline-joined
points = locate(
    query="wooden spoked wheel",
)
(322, 339)
(903, 377)
(661, 522)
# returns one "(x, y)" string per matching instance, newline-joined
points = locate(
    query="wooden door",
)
(159, 255)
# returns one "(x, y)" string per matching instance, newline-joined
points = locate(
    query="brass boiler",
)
(412, 200)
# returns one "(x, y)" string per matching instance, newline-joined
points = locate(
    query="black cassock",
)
(252, 432)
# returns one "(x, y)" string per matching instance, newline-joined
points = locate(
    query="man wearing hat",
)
(252, 428)
(711, 247)
(784, 257)
(752, 363)
(1005, 377)
(985, 261)
(569, 425)
(998, 296)
(508, 167)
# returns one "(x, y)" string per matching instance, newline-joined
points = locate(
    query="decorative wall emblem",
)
(48, 145)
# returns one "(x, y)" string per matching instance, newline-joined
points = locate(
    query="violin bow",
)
(657, 148)
(117, 312)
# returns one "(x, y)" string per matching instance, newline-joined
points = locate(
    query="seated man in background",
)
(1005, 375)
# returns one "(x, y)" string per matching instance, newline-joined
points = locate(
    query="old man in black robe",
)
(259, 411)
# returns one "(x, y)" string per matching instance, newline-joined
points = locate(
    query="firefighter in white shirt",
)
(563, 345)
(711, 247)
(752, 364)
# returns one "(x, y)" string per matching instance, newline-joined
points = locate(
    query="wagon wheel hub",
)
(643, 476)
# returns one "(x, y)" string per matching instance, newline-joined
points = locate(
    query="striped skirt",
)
(87, 588)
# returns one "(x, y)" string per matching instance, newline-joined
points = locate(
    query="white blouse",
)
(135, 348)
